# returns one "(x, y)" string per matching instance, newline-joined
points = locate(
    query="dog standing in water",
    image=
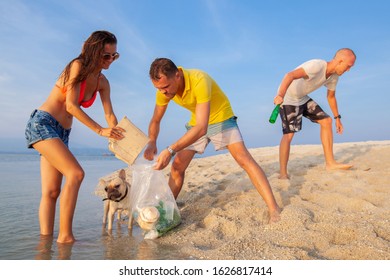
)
(117, 200)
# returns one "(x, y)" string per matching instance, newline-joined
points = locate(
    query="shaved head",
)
(345, 52)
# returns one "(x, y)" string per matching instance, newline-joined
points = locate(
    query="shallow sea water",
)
(19, 231)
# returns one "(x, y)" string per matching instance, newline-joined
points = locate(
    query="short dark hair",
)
(162, 66)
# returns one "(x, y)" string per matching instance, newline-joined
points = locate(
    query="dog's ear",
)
(122, 174)
(102, 182)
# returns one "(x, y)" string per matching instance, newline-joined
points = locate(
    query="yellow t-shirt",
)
(200, 88)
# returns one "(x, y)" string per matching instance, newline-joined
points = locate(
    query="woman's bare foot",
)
(66, 239)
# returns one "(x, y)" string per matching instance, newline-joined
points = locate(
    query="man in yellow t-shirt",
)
(212, 119)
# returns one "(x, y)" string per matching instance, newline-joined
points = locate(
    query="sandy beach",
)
(337, 215)
(330, 215)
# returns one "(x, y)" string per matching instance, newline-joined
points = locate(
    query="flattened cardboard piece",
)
(131, 145)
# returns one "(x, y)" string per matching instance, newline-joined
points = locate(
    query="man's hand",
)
(339, 126)
(163, 160)
(150, 151)
(278, 100)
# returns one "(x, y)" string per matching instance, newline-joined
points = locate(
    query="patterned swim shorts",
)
(292, 115)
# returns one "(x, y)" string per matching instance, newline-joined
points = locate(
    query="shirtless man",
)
(293, 96)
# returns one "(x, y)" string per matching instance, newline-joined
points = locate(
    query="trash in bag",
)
(153, 205)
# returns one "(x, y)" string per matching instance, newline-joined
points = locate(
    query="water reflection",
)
(64, 251)
(117, 244)
(45, 250)
(122, 244)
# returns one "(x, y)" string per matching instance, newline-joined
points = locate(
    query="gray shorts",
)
(42, 126)
(220, 134)
(291, 115)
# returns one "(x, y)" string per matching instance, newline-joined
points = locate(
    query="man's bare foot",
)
(274, 216)
(284, 177)
(338, 166)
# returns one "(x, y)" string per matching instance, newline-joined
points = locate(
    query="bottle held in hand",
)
(274, 114)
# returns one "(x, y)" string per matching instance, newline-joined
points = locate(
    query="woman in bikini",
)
(49, 126)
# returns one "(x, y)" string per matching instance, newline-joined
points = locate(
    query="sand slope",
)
(326, 215)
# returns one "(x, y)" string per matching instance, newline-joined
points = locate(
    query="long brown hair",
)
(90, 56)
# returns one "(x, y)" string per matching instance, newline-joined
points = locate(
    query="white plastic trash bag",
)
(152, 203)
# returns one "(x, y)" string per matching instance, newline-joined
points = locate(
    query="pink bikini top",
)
(86, 103)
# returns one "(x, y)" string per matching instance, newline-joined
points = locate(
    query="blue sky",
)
(247, 46)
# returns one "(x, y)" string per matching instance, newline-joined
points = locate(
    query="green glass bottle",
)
(274, 114)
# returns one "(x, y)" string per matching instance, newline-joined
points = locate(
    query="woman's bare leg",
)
(51, 180)
(60, 158)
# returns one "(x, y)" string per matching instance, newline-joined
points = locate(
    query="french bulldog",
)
(117, 200)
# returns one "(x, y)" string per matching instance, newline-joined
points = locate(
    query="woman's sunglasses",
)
(108, 56)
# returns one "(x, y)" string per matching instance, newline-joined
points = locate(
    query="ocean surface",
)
(20, 193)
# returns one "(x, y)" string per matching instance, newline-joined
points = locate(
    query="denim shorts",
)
(42, 126)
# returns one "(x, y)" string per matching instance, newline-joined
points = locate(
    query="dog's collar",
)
(118, 200)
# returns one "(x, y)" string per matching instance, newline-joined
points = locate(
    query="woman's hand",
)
(112, 132)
